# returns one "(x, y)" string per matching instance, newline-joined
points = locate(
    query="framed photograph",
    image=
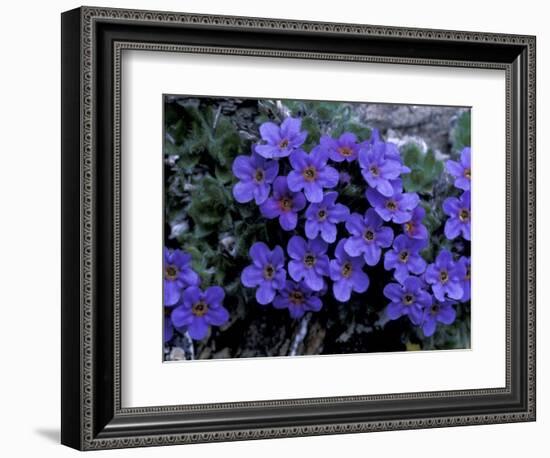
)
(276, 228)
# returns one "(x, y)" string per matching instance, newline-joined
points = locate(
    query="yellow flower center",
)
(269, 271)
(296, 297)
(346, 269)
(309, 260)
(345, 151)
(391, 205)
(369, 235)
(309, 173)
(259, 176)
(171, 272)
(199, 309)
(286, 204)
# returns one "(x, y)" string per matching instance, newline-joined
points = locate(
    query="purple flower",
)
(311, 173)
(439, 312)
(178, 275)
(464, 262)
(458, 210)
(462, 171)
(309, 261)
(445, 276)
(398, 207)
(198, 310)
(168, 329)
(391, 151)
(407, 299)
(283, 140)
(405, 257)
(298, 299)
(368, 236)
(267, 271)
(377, 170)
(323, 217)
(344, 178)
(345, 148)
(284, 204)
(414, 228)
(347, 274)
(255, 175)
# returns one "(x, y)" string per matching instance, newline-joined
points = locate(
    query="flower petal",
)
(252, 276)
(214, 296)
(217, 317)
(328, 177)
(296, 270)
(312, 190)
(198, 328)
(313, 280)
(342, 290)
(298, 160)
(243, 191)
(265, 294)
(260, 254)
(355, 246)
(181, 316)
(288, 220)
(270, 132)
(172, 292)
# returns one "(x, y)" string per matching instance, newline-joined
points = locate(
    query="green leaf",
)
(425, 169)
(460, 135)
(313, 132)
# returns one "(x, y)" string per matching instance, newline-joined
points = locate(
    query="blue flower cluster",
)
(297, 276)
(426, 293)
(187, 307)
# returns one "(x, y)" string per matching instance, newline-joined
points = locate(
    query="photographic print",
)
(297, 227)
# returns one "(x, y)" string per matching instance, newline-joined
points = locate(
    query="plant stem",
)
(300, 335)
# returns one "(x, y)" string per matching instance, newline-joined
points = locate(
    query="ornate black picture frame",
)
(92, 42)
